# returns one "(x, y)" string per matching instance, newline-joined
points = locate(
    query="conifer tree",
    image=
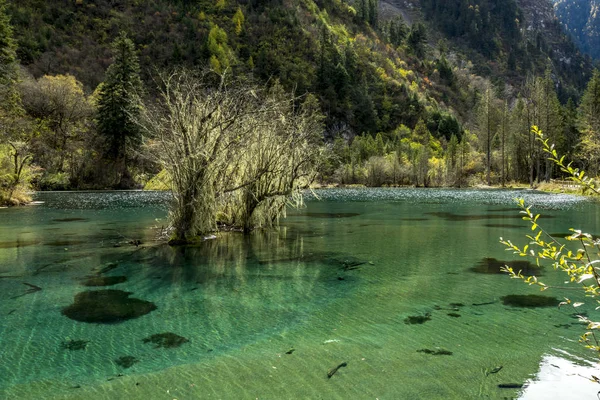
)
(118, 107)
(417, 39)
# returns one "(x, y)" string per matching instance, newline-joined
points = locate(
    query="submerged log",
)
(332, 371)
(33, 289)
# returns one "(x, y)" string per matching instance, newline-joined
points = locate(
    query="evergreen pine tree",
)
(117, 103)
(417, 39)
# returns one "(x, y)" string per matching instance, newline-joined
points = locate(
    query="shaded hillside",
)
(582, 20)
(511, 39)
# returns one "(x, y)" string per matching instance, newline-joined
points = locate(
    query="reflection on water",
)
(562, 376)
(380, 281)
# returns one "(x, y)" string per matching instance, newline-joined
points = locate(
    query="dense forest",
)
(447, 99)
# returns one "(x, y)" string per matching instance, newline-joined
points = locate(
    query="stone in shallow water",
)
(417, 319)
(126, 361)
(493, 266)
(167, 340)
(106, 307)
(103, 280)
(74, 344)
(529, 300)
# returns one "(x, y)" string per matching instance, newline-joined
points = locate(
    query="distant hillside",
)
(581, 18)
(506, 39)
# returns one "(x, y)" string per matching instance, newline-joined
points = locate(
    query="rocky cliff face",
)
(581, 18)
(538, 13)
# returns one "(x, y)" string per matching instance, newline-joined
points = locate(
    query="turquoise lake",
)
(398, 287)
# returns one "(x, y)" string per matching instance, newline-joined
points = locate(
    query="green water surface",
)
(268, 315)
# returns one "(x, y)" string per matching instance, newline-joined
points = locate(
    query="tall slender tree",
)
(487, 126)
(118, 107)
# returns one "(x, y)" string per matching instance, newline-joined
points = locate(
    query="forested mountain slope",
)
(581, 18)
(424, 92)
(508, 39)
(342, 51)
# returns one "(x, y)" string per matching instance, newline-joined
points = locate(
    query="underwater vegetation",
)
(166, 340)
(492, 266)
(529, 300)
(106, 307)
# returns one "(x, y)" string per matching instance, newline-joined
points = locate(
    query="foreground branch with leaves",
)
(581, 266)
(236, 154)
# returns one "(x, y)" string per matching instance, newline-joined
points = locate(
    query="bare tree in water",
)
(236, 154)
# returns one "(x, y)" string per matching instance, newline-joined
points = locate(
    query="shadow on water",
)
(506, 226)
(492, 266)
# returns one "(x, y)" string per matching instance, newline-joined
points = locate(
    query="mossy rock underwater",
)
(106, 307)
(126, 361)
(167, 340)
(417, 319)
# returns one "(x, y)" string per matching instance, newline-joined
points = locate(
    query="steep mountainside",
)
(581, 18)
(507, 39)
